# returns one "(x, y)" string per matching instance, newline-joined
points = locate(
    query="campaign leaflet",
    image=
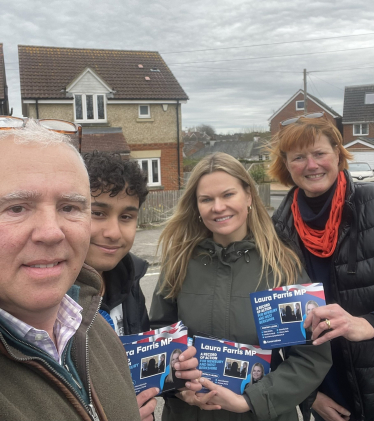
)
(151, 357)
(230, 364)
(279, 313)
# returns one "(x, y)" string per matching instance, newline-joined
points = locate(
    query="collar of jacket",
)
(231, 253)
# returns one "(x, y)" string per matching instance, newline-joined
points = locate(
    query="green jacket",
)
(33, 387)
(215, 300)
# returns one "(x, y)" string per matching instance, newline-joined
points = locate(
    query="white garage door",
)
(364, 157)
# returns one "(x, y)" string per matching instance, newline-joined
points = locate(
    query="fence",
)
(159, 205)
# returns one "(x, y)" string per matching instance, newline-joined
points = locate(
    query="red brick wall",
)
(348, 133)
(169, 162)
(290, 111)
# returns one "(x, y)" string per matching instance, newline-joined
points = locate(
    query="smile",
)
(224, 218)
(107, 249)
(314, 176)
(51, 265)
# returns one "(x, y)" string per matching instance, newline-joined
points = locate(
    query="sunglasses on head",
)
(296, 119)
(60, 126)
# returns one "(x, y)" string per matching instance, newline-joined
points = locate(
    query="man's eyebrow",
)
(19, 195)
(75, 197)
(108, 206)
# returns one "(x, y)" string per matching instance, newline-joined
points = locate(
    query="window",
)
(299, 105)
(89, 107)
(144, 111)
(361, 129)
(369, 98)
(151, 167)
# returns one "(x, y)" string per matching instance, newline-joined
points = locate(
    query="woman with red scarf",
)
(329, 221)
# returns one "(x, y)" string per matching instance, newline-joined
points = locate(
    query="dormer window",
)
(369, 98)
(90, 107)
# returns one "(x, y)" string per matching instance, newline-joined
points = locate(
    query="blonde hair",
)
(184, 232)
(169, 377)
(301, 134)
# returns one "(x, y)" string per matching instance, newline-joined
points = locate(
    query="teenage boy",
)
(118, 189)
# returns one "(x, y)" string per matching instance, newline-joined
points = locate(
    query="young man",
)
(118, 189)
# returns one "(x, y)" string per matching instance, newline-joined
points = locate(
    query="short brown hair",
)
(303, 133)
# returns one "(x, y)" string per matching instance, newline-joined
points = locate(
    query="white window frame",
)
(297, 105)
(95, 110)
(369, 98)
(144, 115)
(360, 132)
(150, 175)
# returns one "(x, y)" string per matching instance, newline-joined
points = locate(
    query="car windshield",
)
(359, 166)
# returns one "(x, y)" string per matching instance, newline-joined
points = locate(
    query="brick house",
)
(126, 101)
(358, 113)
(295, 106)
(4, 102)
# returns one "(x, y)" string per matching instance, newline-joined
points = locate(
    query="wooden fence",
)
(160, 205)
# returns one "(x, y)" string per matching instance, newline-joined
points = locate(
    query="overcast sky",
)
(252, 52)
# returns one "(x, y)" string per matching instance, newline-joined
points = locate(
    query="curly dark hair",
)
(109, 173)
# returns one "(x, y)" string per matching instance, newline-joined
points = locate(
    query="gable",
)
(299, 96)
(367, 144)
(88, 82)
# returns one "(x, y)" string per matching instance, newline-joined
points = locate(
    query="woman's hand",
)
(341, 324)
(187, 369)
(329, 410)
(199, 400)
(147, 403)
(224, 398)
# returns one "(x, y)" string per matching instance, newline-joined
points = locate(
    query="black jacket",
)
(352, 283)
(122, 285)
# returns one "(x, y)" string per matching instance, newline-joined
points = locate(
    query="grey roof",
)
(355, 108)
(323, 104)
(241, 149)
(259, 148)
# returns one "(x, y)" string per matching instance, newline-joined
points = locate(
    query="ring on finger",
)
(327, 321)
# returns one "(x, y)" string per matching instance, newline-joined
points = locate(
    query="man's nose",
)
(112, 230)
(48, 227)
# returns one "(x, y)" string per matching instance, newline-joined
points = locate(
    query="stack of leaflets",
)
(151, 357)
(279, 313)
(230, 364)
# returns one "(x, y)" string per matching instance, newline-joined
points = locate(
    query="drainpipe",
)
(178, 148)
(37, 108)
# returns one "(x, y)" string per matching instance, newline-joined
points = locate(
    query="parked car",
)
(361, 172)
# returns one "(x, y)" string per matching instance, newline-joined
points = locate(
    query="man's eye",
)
(96, 213)
(17, 209)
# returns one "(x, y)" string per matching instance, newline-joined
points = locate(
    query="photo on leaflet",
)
(290, 312)
(236, 368)
(150, 366)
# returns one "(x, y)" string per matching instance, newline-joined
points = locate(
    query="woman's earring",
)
(199, 218)
(249, 208)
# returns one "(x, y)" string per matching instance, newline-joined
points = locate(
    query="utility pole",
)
(305, 94)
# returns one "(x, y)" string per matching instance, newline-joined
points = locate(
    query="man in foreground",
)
(59, 360)
(118, 189)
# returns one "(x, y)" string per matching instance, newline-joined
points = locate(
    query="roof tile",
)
(46, 71)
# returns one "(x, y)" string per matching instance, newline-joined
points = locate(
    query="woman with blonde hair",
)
(257, 373)
(329, 222)
(218, 247)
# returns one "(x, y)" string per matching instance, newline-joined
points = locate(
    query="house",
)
(358, 113)
(362, 150)
(126, 101)
(4, 102)
(239, 149)
(295, 106)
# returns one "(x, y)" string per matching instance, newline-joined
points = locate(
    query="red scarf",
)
(322, 243)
